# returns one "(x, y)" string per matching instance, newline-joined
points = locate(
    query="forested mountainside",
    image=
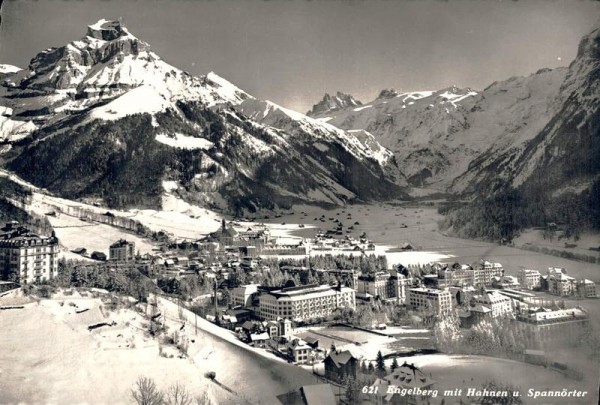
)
(556, 176)
(105, 117)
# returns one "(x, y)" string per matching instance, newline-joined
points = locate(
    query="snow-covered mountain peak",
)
(101, 67)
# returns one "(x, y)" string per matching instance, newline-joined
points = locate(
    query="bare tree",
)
(146, 392)
(205, 399)
(177, 394)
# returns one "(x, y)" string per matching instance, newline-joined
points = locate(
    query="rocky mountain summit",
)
(332, 103)
(106, 117)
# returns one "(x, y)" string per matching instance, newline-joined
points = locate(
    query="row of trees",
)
(128, 281)
(364, 263)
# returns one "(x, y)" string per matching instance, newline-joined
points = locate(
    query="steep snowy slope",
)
(114, 121)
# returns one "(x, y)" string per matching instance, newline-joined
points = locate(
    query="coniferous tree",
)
(380, 364)
(394, 364)
(352, 390)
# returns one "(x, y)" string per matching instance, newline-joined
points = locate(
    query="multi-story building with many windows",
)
(26, 257)
(388, 286)
(484, 272)
(438, 301)
(530, 279)
(586, 288)
(242, 295)
(122, 250)
(559, 283)
(500, 305)
(544, 327)
(305, 302)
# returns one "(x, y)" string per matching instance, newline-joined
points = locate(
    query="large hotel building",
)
(26, 257)
(438, 301)
(305, 302)
(387, 285)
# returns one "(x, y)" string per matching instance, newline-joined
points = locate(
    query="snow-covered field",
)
(50, 356)
(73, 233)
(459, 371)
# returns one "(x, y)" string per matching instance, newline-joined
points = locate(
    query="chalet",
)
(98, 256)
(312, 342)
(407, 247)
(318, 394)
(338, 365)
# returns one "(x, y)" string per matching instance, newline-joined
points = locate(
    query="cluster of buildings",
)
(557, 282)
(483, 273)
(299, 303)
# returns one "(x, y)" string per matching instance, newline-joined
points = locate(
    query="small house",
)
(259, 339)
(298, 351)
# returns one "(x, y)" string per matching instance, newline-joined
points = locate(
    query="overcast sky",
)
(293, 51)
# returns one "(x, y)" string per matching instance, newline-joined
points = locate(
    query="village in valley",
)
(320, 294)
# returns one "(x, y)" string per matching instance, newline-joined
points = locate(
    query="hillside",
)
(105, 117)
(123, 350)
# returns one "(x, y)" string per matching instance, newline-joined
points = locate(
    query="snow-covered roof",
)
(259, 336)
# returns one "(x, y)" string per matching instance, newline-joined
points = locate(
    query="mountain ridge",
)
(107, 118)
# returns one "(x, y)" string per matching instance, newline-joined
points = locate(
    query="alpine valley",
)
(105, 117)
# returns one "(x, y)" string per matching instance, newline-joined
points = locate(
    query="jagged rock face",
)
(67, 67)
(112, 120)
(332, 103)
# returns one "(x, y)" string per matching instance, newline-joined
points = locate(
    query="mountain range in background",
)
(105, 117)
